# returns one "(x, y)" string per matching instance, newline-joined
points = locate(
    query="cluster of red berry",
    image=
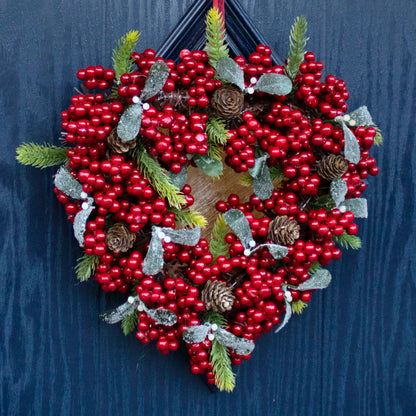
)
(295, 132)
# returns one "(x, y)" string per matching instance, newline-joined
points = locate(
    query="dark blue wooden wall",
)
(352, 352)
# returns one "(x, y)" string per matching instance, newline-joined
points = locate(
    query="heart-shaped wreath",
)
(123, 182)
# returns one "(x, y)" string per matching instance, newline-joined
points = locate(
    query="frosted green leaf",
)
(351, 148)
(179, 179)
(230, 71)
(362, 116)
(211, 167)
(338, 190)
(262, 183)
(80, 221)
(276, 84)
(153, 262)
(130, 121)
(118, 314)
(239, 224)
(158, 74)
(162, 316)
(276, 250)
(196, 334)
(358, 206)
(185, 237)
(287, 317)
(67, 184)
(319, 280)
(241, 346)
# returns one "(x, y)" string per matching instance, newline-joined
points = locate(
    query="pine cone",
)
(120, 238)
(217, 297)
(332, 166)
(117, 145)
(283, 231)
(227, 102)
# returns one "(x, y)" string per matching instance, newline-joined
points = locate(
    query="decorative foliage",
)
(378, 139)
(41, 155)
(298, 42)
(216, 130)
(122, 62)
(86, 266)
(220, 358)
(276, 175)
(158, 177)
(218, 246)
(215, 34)
(348, 241)
(298, 306)
(189, 218)
(130, 322)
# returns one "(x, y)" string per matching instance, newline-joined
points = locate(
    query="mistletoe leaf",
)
(230, 71)
(130, 121)
(211, 167)
(276, 84)
(158, 74)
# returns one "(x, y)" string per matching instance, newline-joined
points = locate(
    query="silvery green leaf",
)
(287, 317)
(351, 147)
(276, 84)
(130, 121)
(362, 116)
(158, 74)
(338, 190)
(121, 311)
(211, 167)
(262, 183)
(358, 206)
(276, 250)
(67, 184)
(80, 223)
(196, 334)
(153, 262)
(186, 237)
(241, 346)
(319, 280)
(179, 179)
(230, 71)
(163, 316)
(239, 224)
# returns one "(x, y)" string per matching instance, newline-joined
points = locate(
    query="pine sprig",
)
(220, 358)
(298, 306)
(129, 323)
(215, 46)
(86, 266)
(348, 241)
(190, 218)
(41, 155)
(158, 177)
(122, 62)
(216, 130)
(315, 266)
(298, 42)
(378, 139)
(217, 245)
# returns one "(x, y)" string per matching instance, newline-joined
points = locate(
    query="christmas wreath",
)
(131, 149)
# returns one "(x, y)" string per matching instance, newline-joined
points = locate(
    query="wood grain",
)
(353, 350)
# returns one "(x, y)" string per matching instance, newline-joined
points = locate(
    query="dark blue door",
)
(352, 352)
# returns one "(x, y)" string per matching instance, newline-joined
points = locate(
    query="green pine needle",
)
(220, 358)
(315, 266)
(129, 323)
(298, 306)
(122, 62)
(298, 42)
(215, 46)
(217, 245)
(158, 178)
(216, 130)
(378, 139)
(85, 267)
(41, 155)
(348, 241)
(217, 137)
(190, 218)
